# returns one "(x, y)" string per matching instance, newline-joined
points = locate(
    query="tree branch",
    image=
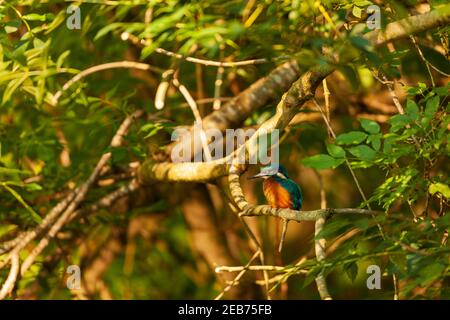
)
(8, 286)
(101, 67)
(311, 215)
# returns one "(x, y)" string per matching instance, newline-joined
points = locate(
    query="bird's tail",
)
(283, 234)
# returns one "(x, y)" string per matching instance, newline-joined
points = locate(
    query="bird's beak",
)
(257, 176)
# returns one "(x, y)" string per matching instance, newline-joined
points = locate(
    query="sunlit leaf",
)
(322, 161)
(369, 125)
(441, 188)
(352, 137)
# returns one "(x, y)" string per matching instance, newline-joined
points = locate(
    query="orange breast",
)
(276, 195)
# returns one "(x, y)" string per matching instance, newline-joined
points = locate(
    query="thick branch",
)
(8, 286)
(311, 215)
(319, 246)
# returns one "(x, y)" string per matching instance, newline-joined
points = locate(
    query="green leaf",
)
(335, 151)
(152, 47)
(38, 43)
(356, 11)
(10, 29)
(152, 129)
(442, 91)
(12, 86)
(351, 269)
(361, 223)
(61, 58)
(37, 218)
(443, 222)
(431, 107)
(18, 53)
(375, 140)
(430, 273)
(148, 50)
(370, 126)
(12, 171)
(441, 188)
(389, 141)
(398, 122)
(119, 154)
(363, 3)
(310, 277)
(412, 110)
(147, 127)
(351, 75)
(165, 22)
(363, 152)
(436, 58)
(360, 43)
(334, 228)
(394, 188)
(322, 161)
(33, 187)
(12, 26)
(108, 28)
(351, 137)
(35, 17)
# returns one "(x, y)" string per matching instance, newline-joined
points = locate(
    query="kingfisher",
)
(280, 192)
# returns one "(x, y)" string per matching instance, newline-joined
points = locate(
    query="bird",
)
(280, 192)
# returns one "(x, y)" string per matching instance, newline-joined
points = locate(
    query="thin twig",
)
(8, 286)
(251, 268)
(211, 62)
(395, 281)
(101, 67)
(389, 85)
(320, 243)
(144, 43)
(238, 277)
(198, 119)
(283, 234)
(326, 94)
(161, 91)
(218, 84)
(427, 63)
(320, 254)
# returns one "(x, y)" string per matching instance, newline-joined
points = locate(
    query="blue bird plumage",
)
(280, 192)
(278, 186)
(291, 187)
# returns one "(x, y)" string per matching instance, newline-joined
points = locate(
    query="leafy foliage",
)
(412, 153)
